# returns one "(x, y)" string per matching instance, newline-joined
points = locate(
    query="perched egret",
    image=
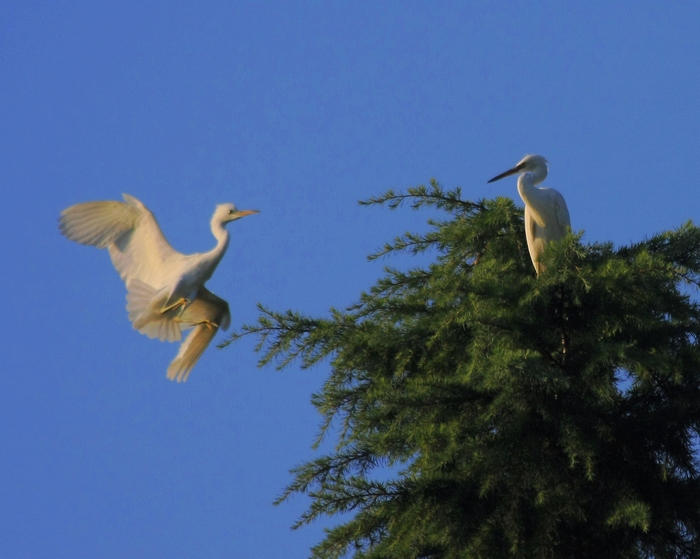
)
(166, 293)
(546, 214)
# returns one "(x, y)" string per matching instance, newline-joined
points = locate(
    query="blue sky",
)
(297, 110)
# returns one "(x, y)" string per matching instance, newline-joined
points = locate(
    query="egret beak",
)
(244, 213)
(241, 213)
(508, 173)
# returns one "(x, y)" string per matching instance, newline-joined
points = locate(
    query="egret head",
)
(228, 212)
(535, 164)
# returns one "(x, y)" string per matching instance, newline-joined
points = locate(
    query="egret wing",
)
(534, 243)
(213, 307)
(98, 224)
(205, 315)
(562, 213)
(136, 244)
(143, 253)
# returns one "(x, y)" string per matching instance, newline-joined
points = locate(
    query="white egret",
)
(546, 215)
(166, 293)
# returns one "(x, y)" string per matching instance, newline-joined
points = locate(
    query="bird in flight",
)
(546, 215)
(166, 293)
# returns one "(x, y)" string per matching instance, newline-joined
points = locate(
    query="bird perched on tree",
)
(166, 293)
(546, 215)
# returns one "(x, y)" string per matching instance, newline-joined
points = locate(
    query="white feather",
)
(142, 304)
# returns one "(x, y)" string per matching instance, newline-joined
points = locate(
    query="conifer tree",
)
(482, 412)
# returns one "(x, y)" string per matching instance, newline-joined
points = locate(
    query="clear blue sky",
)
(297, 109)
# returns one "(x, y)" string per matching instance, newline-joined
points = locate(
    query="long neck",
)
(526, 187)
(222, 236)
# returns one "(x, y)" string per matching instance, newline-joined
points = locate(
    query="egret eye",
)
(231, 212)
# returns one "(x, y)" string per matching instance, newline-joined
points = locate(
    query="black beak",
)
(508, 173)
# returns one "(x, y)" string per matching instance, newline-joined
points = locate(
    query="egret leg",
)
(208, 323)
(181, 303)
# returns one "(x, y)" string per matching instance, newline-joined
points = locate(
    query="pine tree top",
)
(516, 416)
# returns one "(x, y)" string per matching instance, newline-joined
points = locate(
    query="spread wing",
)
(136, 244)
(205, 315)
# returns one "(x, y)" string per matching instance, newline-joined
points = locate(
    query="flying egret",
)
(166, 293)
(546, 215)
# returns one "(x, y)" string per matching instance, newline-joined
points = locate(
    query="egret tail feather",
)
(143, 305)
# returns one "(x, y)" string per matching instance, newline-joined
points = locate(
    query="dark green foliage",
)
(516, 416)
